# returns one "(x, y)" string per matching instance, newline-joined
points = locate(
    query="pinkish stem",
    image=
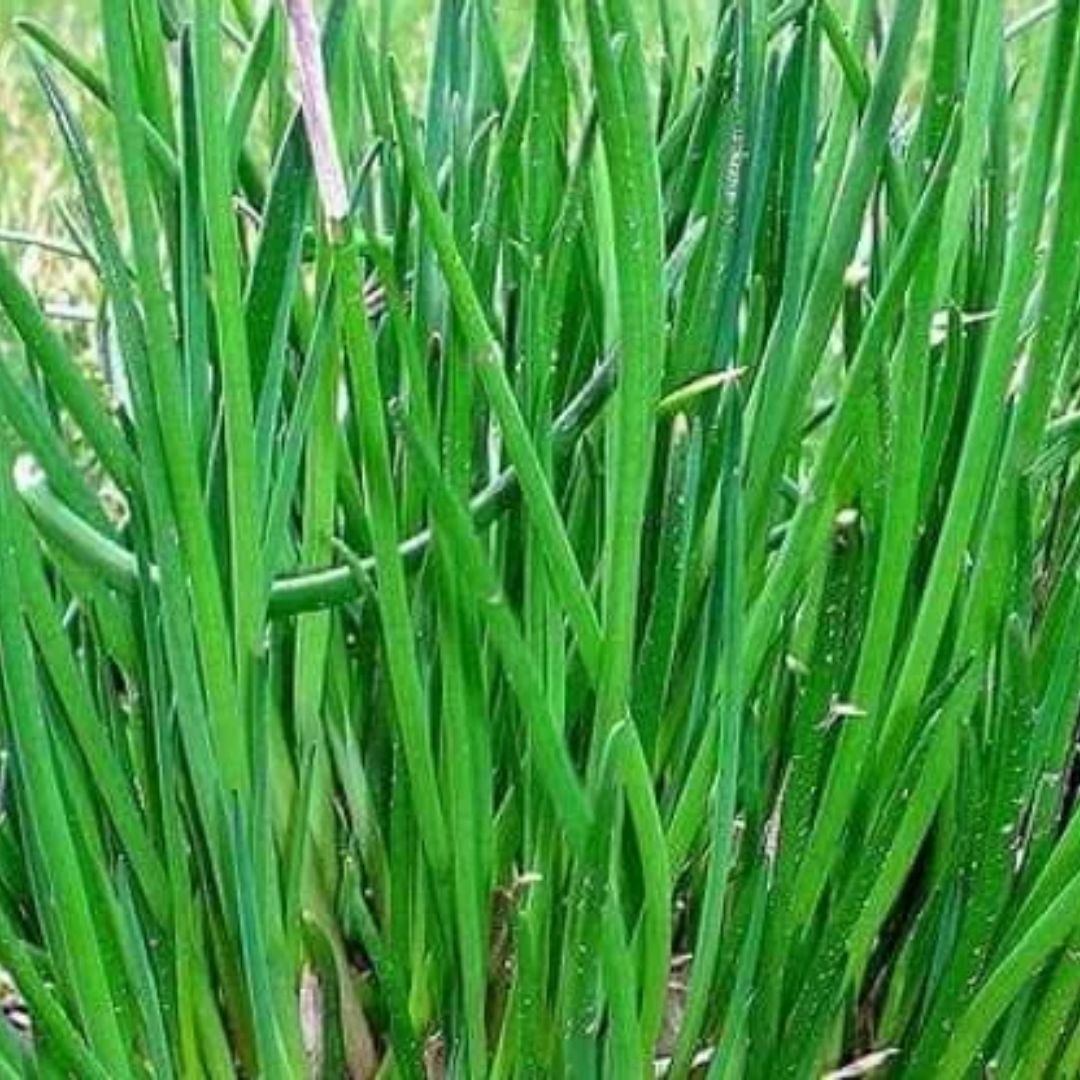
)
(315, 104)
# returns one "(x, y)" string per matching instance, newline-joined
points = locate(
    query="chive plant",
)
(582, 580)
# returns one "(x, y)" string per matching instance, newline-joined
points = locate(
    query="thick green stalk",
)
(234, 367)
(638, 238)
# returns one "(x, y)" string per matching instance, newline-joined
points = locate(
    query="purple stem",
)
(315, 105)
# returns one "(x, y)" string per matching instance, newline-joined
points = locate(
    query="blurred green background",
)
(33, 173)
(33, 179)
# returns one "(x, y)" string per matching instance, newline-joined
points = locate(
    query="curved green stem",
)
(310, 590)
